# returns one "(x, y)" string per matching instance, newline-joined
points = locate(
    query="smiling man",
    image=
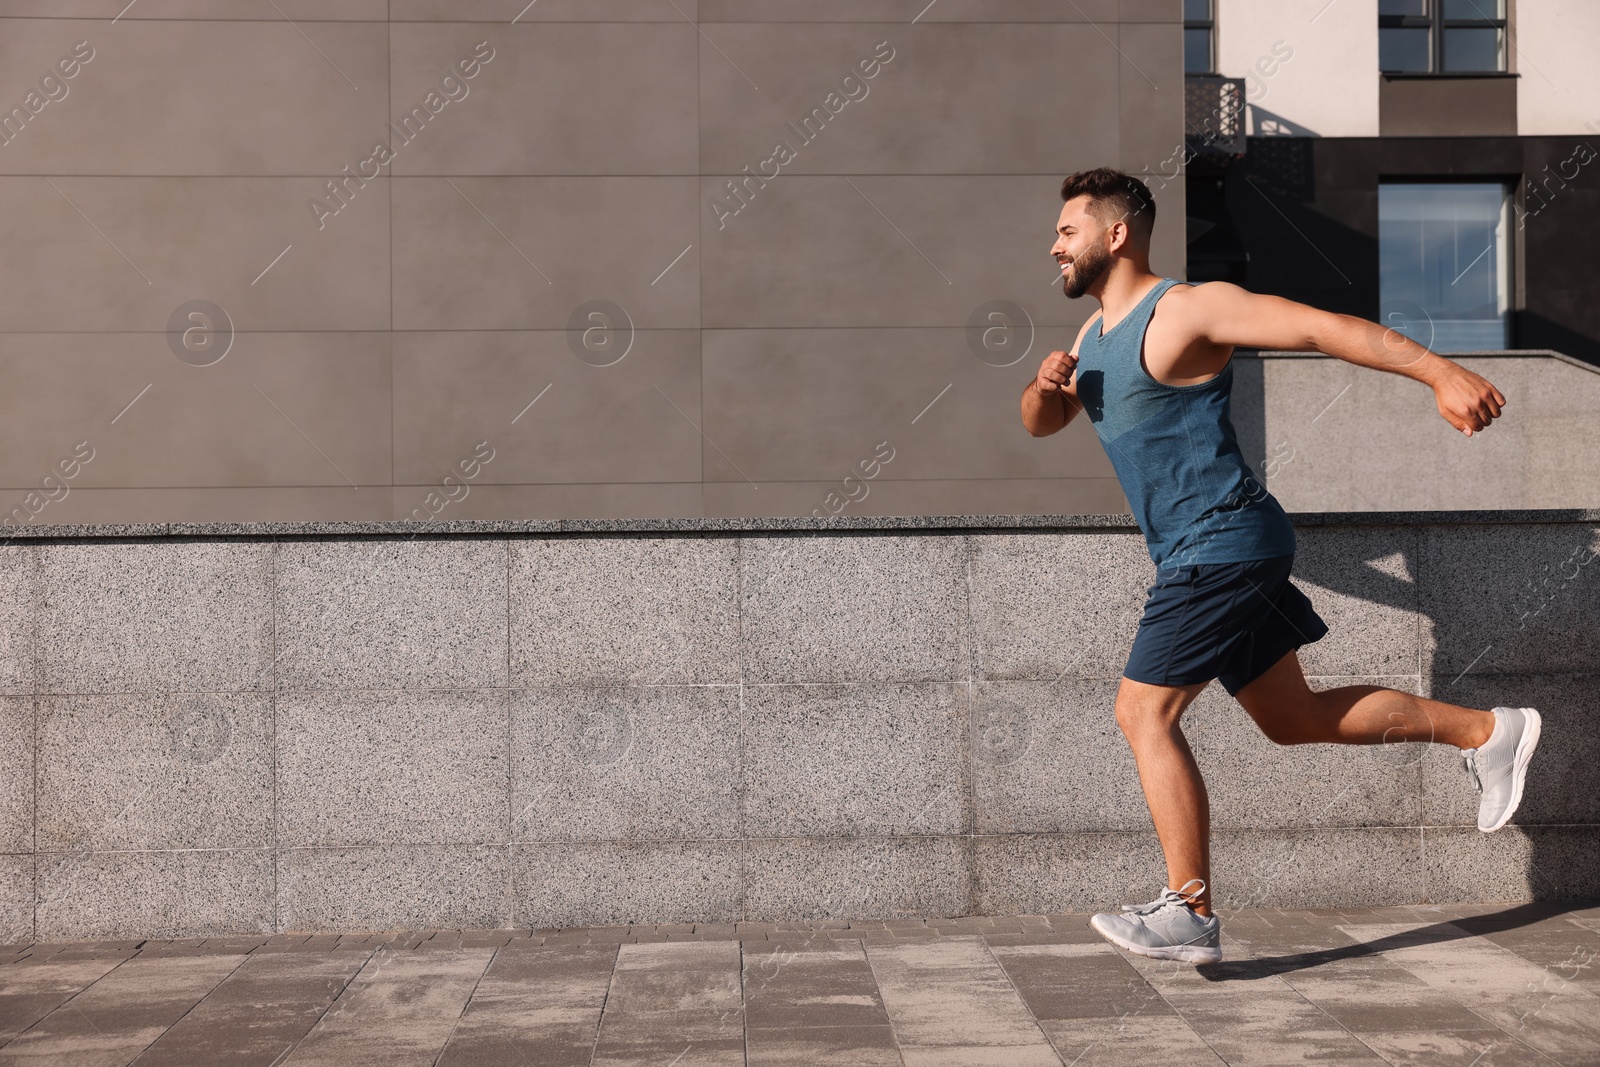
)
(1153, 370)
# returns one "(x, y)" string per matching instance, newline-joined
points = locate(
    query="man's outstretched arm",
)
(1225, 314)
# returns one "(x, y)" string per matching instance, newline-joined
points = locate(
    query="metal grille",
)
(1214, 114)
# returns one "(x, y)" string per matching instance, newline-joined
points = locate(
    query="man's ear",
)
(1119, 233)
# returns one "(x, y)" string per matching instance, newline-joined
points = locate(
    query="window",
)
(1198, 26)
(1444, 255)
(1441, 36)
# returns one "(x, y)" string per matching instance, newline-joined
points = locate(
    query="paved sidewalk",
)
(1469, 986)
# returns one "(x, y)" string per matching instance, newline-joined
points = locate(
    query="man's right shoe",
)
(1164, 929)
(1500, 765)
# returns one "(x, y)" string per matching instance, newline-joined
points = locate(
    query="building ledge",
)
(782, 524)
(1497, 353)
(1449, 75)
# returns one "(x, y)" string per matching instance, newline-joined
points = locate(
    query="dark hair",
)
(1114, 197)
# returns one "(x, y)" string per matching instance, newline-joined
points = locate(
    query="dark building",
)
(1457, 194)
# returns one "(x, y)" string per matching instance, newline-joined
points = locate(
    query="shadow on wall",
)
(1512, 617)
(1248, 410)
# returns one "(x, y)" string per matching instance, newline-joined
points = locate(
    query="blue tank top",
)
(1175, 453)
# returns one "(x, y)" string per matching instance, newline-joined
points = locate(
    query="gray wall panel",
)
(390, 303)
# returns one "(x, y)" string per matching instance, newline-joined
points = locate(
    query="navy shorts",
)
(1228, 621)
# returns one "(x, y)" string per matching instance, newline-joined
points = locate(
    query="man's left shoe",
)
(1500, 765)
(1164, 929)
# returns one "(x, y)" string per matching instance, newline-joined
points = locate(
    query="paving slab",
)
(673, 1001)
(1076, 981)
(1535, 1006)
(535, 1004)
(1244, 1013)
(399, 1010)
(1454, 1049)
(797, 987)
(119, 1016)
(950, 1002)
(257, 1014)
(29, 991)
(1136, 1040)
(823, 1046)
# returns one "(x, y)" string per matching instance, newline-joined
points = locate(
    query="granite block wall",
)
(211, 729)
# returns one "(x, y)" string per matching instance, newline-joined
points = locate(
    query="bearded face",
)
(1087, 269)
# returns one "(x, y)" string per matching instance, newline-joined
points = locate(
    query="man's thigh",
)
(1279, 696)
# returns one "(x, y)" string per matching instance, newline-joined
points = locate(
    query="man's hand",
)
(1466, 400)
(1048, 402)
(1055, 372)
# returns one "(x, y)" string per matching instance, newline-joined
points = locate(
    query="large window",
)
(1199, 25)
(1444, 254)
(1442, 36)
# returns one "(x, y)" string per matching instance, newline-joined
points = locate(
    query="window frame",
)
(1512, 186)
(1210, 26)
(1436, 24)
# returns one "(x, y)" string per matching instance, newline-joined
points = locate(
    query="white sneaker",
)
(1500, 765)
(1164, 929)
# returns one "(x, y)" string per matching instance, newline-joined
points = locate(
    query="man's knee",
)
(1142, 712)
(1132, 719)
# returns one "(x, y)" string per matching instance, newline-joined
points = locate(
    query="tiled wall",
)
(769, 352)
(241, 733)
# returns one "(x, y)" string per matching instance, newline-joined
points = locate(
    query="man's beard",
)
(1086, 270)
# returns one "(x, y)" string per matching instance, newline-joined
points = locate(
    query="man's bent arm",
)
(1051, 399)
(1228, 315)
(1045, 414)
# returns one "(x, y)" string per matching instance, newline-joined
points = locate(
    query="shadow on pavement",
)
(1438, 933)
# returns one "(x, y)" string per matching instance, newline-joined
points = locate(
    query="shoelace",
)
(1168, 898)
(1469, 756)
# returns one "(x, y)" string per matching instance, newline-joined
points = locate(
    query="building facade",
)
(363, 259)
(1431, 164)
(469, 259)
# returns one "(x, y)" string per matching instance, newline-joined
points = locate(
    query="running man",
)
(1154, 373)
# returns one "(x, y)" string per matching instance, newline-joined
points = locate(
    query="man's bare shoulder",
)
(1201, 297)
(1190, 309)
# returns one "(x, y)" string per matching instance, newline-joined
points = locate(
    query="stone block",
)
(558, 885)
(392, 767)
(154, 894)
(393, 887)
(1048, 605)
(624, 611)
(155, 617)
(633, 763)
(903, 616)
(802, 879)
(154, 771)
(854, 760)
(392, 614)
(16, 774)
(1048, 757)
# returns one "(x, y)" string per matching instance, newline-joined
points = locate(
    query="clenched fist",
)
(1055, 372)
(1466, 400)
